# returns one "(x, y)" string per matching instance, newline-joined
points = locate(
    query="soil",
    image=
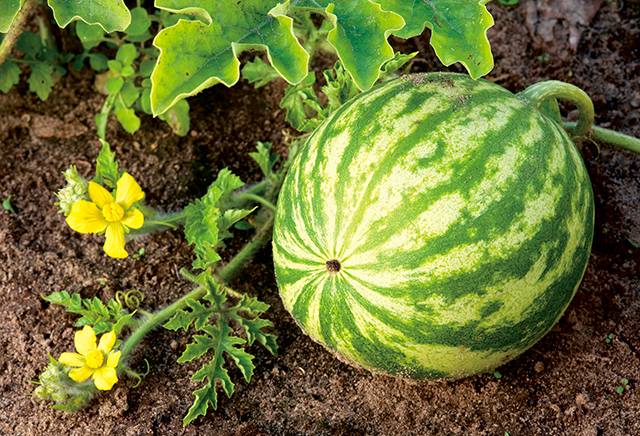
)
(565, 385)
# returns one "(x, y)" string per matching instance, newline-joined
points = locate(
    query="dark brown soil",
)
(565, 385)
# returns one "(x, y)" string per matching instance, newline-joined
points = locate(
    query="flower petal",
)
(128, 191)
(113, 359)
(105, 378)
(85, 340)
(99, 195)
(72, 359)
(81, 374)
(106, 342)
(85, 217)
(114, 244)
(133, 219)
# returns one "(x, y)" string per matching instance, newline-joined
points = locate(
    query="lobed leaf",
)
(359, 35)
(458, 30)
(41, 80)
(111, 15)
(196, 55)
(9, 76)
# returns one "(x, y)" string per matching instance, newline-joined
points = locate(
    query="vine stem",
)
(15, 30)
(259, 239)
(610, 137)
(540, 92)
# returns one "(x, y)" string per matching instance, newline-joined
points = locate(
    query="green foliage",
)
(126, 83)
(107, 172)
(42, 57)
(111, 15)
(623, 384)
(8, 11)
(207, 225)
(212, 316)
(198, 54)
(103, 318)
(458, 31)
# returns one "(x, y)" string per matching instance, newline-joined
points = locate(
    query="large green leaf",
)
(196, 55)
(8, 11)
(458, 29)
(359, 35)
(111, 15)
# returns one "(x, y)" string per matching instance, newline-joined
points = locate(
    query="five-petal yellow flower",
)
(99, 362)
(106, 214)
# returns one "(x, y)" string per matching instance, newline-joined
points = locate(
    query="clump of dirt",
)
(565, 385)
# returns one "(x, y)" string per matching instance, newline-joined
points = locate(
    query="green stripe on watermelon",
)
(462, 220)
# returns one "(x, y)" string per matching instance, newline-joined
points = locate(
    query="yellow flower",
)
(106, 214)
(99, 362)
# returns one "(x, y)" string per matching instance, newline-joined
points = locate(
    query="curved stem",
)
(225, 274)
(14, 31)
(610, 137)
(540, 92)
(258, 199)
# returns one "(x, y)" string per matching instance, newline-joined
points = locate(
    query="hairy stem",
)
(14, 31)
(261, 237)
(610, 137)
(540, 92)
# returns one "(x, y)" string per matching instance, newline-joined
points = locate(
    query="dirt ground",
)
(565, 385)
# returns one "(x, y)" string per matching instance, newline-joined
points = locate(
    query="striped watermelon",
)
(433, 227)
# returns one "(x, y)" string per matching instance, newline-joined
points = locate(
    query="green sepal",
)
(111, 15)
(458, 30)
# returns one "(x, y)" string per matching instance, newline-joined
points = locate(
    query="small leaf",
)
(127, 118)
(111, 15)
(41, 80)
(178, 117)
(129, 94)
(106, 167)
(259, 72)
(9, 76)
(126, 54)
(115, 66)
(140, 22)
(98, 61)
(265, 159)
(90, 35)
(114, 84)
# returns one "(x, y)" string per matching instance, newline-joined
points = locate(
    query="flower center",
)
(94, 359)
(112, 212)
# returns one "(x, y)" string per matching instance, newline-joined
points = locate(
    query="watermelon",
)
(433, 227)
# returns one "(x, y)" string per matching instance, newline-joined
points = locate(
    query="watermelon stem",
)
(540, 92)
(610, 137)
